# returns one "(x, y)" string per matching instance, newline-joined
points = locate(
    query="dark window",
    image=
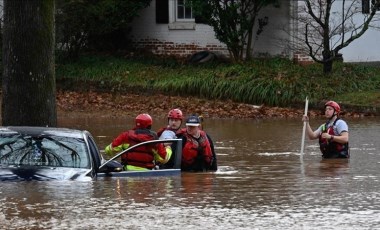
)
(184, 10)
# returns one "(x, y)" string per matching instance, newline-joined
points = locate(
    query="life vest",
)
(196, 152)
(332, 149)
(141, 156)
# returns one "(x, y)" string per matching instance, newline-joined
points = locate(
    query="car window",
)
(57, 151)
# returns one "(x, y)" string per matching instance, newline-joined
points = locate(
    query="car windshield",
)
(55, 151)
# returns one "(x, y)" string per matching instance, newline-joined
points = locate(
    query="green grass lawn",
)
(273, 82)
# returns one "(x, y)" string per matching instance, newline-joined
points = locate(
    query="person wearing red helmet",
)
(333, 135)
(144, 157)
(175, 117)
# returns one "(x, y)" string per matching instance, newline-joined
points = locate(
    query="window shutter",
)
(162, 11)
(365, 6)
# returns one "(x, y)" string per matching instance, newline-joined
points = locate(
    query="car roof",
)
(36, 130)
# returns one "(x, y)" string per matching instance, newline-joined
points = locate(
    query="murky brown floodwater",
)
(262, 183)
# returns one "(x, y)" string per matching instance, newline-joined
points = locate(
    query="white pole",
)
(303, 140)
(304, 128)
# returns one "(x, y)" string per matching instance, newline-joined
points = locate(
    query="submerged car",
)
(45, 153)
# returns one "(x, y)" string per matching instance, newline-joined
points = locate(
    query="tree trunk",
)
(327, 60)
(327, 66)
(248, 54)
(28, 58)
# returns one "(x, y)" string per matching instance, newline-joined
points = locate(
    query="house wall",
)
(367, 47)
(364, 49)
(274, 40)
(159, 39)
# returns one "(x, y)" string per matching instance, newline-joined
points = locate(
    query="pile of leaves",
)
(112, 104)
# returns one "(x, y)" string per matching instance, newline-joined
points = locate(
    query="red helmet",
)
(144, 121)
(175, 114)
(334, 105)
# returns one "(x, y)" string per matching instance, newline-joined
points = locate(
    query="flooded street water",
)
(262, 183)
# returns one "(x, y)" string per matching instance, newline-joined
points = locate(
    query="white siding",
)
(367, 47)
(274, 40)
(145, 27)
(364, 49)
(269, 42)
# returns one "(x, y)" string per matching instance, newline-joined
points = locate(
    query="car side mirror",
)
(112, 166)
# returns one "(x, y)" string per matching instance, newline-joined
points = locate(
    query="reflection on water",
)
(261, 184)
